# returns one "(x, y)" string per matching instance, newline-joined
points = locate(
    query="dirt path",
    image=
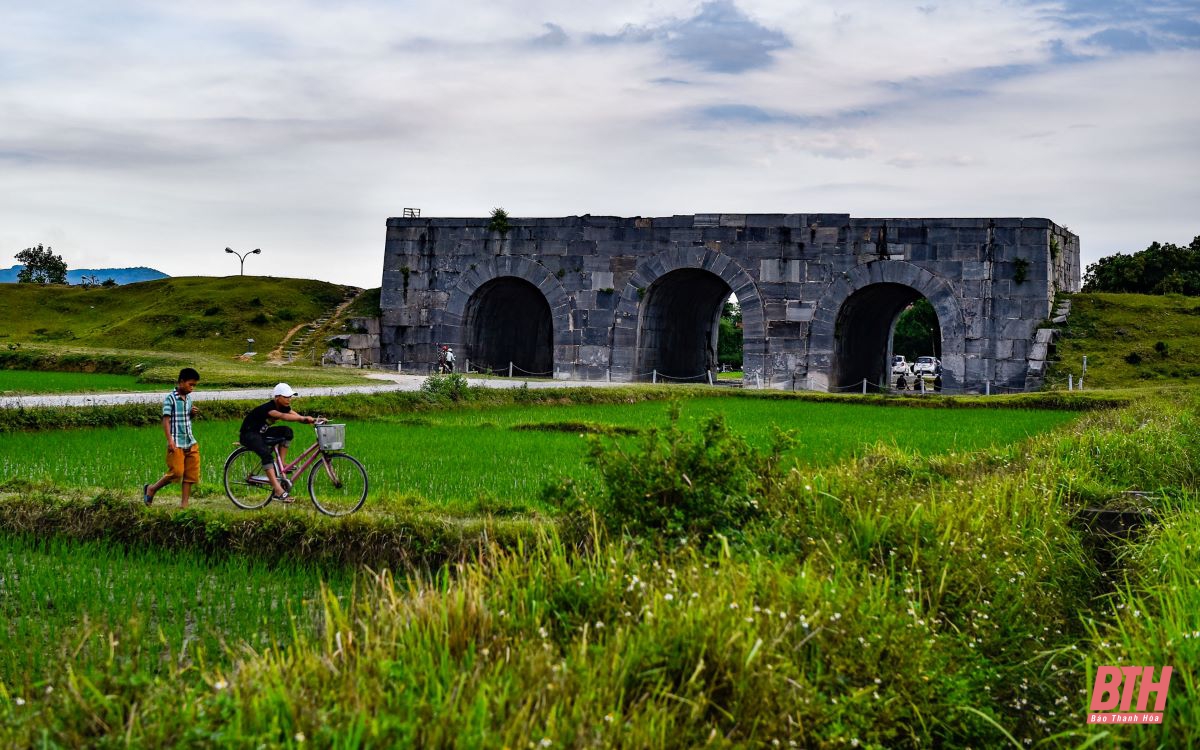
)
(277, 353)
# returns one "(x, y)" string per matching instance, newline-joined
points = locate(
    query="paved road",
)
(387, 383)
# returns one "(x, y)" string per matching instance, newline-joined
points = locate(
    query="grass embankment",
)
(1129, 340)
(37, 371)
(29, 382)
(197, 314)
(892, 600)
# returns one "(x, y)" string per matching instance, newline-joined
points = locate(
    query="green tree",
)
(42, 266)
(729, 336)
(917, 332)
(1159, 269)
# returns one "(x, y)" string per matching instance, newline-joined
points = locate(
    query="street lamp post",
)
(242, 257)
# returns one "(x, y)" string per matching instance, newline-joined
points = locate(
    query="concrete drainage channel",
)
(1109, 528)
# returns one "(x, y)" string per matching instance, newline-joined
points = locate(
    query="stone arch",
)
(714, 274)
(857, 312)
(503, 298)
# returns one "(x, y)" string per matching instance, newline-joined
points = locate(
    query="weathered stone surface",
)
(612, 295)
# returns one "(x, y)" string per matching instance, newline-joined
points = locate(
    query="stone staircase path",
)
(294, 344)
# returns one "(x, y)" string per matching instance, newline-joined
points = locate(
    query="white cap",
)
(283, 389)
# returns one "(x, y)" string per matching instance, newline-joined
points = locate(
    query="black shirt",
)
(258, 418)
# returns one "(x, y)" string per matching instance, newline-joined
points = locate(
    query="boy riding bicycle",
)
(256, 429)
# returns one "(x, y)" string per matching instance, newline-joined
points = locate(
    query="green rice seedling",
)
(100, 607)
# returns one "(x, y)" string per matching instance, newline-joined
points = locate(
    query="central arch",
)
(853, 322)
(679, 322)
(508, 320)
(863, 334)
(642, 289)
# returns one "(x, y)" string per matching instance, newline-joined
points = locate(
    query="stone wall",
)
(623, 298)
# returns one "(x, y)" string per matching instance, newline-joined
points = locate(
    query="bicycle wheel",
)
(337, 484)
(241, 469)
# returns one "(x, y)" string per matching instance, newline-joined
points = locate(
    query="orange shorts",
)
(183, 463)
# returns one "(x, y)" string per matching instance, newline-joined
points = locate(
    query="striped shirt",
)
(179, 409)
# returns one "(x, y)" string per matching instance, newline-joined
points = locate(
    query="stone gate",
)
(629, 299)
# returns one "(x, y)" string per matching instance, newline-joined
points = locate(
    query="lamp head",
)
(257, 251)
(229, 249)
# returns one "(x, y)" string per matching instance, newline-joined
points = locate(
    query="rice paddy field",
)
(63, 601)
(500, 459)
(900, 578)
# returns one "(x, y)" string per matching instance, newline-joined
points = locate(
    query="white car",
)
(927, 366)
(900, 366)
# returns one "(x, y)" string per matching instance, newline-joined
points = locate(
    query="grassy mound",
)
(190, 314)
(1129, 340)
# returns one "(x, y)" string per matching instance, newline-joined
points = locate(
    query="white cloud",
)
(139, 133)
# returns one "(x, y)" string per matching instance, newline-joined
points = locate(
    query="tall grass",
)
(1152, 617)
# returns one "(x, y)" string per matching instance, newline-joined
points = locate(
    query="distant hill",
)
(184, 314)
(75, 276)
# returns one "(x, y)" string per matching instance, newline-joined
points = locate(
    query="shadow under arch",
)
(507, 324)
(509, 310)
(855, 317)
(687, 287)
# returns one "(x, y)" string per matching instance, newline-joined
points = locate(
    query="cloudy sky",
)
(152, 133)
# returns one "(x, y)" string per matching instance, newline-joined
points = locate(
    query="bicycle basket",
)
(331, 437)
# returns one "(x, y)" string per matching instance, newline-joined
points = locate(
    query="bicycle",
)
(337, 482)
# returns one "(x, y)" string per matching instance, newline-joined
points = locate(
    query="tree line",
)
(43, 266)
(1159, 269)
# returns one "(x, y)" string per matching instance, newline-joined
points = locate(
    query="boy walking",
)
(183, 452)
